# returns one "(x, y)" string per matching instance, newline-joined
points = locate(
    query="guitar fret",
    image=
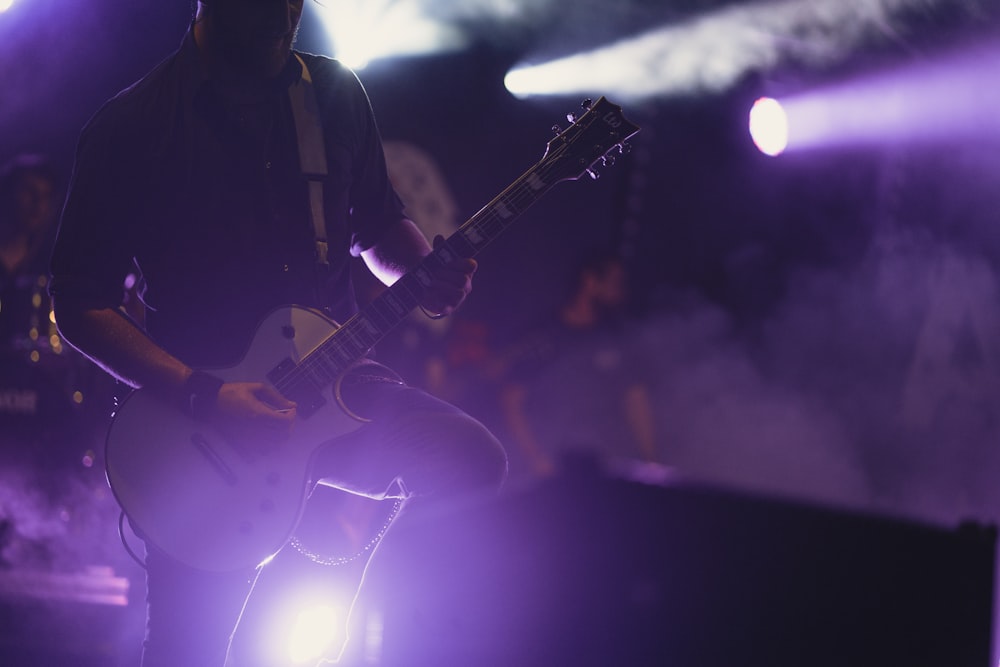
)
(375, 313)
(473, 237)
(369, 330)
(422, 276)
(440, 256)
(356, 336)
(503, 211)
(466, 249)
(391, 299)
(316, 375)
(491, 227)
(329, 369)
(535, 182)
(406, 287)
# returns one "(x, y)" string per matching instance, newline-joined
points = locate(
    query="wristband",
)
(201, 393)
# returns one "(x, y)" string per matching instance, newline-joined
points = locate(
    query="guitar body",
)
(196, 496)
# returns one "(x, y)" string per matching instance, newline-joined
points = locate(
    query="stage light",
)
(937, 101)
(314, 633)
(5, 5)
(715, 50)
(362, 31)
(769, 126)
(553, 78)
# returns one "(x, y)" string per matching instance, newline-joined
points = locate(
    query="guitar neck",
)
(359, 334)
(567, 157)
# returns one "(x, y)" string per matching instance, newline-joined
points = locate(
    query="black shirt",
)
(205, 200)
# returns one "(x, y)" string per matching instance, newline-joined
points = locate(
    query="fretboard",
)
(358, 335)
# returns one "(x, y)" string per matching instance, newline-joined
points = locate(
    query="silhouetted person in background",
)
(43, 384)
(575, 385)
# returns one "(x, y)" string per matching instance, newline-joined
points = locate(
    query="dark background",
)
(823, 326)
(782, 301)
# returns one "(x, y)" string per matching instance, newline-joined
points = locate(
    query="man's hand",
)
(254, 416)
(401, 248)
(451, 283)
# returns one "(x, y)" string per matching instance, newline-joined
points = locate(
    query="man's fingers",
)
(465, 266)
(274, 398)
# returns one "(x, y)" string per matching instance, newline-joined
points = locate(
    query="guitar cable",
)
(369, 548)
(124, 538)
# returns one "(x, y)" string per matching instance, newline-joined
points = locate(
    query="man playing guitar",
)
(195, 179)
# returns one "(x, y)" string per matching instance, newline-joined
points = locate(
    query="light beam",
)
(313, 634)
(714, 51)
(769, 126)
(952, 99)
(365, 30)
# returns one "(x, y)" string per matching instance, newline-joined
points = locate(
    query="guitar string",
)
(316, 359)
(519, 196)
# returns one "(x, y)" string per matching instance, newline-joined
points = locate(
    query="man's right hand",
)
(254, 416)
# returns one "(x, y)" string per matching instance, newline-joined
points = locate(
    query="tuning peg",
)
(556, 129)
(624, 148)
(586, 104)
(571, 117)
(593, 174)
(608, 160)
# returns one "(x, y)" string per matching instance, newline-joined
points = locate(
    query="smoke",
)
(851, 356)
(56, 520)
(875, 387)
(872, 382)
(713, 51)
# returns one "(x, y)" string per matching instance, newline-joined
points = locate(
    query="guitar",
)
(209, 504)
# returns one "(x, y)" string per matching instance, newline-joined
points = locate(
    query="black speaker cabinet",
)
(595, 569)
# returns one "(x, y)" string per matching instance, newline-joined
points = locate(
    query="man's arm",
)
(113, 341)
(513, 399)
(639, 414)
(401, 247)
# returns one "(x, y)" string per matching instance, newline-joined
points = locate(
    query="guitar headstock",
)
(593, 137)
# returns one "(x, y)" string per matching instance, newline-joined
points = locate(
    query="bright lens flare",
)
(769, 126)
(366, 30)
(314, 633)
(5, 5)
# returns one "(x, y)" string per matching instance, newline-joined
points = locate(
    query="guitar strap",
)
(312, 154)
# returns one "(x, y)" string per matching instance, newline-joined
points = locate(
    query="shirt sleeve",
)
(372, 204)
(90, 258)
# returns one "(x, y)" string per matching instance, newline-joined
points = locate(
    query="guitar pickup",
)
(217, 462)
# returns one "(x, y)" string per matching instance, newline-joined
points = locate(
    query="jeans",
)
(437, 451)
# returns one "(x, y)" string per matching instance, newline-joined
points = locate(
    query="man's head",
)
(252, 37)
(603, 280)
(27, 197)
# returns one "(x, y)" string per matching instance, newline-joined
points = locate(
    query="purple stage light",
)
(769, 126)
(313, 633)
(954, 98)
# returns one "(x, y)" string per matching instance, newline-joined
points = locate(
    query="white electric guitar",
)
(212, 505)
